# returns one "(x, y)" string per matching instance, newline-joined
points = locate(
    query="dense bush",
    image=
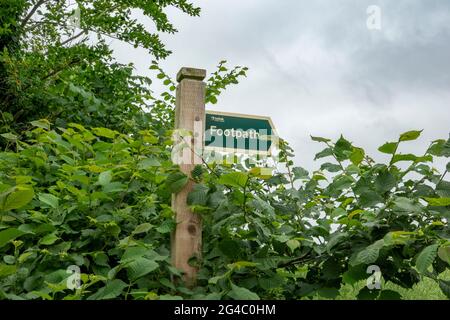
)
(100, 200)
(86, 180)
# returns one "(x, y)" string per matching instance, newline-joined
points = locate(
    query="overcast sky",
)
(316, 69)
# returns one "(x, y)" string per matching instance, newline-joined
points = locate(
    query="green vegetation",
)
(86, 180)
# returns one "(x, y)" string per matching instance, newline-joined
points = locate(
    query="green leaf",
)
(234, 179)
(166, 227)
(293, 244)
(426, 258)
(368, 255)
(49, 239)
(49, 199)
(142, 228)
(141, 267)
(385, 181)
(354, 274)
(230, 248)
(212, 99)
(8, 235)
(169, 297)
(175, 182)
(445, 287)
(268, 283)
(300, 173)
(198, 196)
(105, 132)
(444, 254)
(389, 295)
(16, 198)
(330, 167)
(105, 178)
(42, 123)
(411, 157)
(438, 202)
(215, 279)
(366, 294)
(9, 136)
(410, 135)
(114, 187)
(6, 270)
(328, 293)
(388, 147)
(357, 155)
(343, 149)
(240, 293)
(405, 205)
(112, 290)
(370, 198)
(148, 163)
(320, 139)
(324, 153)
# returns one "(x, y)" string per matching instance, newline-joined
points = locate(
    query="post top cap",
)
(191, 73)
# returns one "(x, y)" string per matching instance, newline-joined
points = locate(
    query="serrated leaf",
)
(388, 147)
(175, 182)
(198, 196)
(9, 136)
(357, 155)
(49, 199)
(166, 227)
(140, 267)
(444, 254)
(148, 163)
(426, 258)
(8, 235)
(105, 132)
(240, 293)
(49, 239)
(234, 179)
(16, 198)
(42, 123)
(438, 202)
(112, 290)
(300, 173)
(319, 139)
(324, 153)
(410, 135)
(142, 228)
(369, 254)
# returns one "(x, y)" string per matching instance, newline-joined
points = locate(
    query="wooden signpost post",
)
(189, 113)
(217, 131)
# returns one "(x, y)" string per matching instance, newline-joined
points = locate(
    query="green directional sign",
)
(232, 132)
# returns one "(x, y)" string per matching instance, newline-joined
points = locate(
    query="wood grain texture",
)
(189, 115)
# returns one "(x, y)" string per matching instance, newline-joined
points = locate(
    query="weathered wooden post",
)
(189, 116)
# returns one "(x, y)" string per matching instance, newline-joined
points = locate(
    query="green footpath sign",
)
(232, 132)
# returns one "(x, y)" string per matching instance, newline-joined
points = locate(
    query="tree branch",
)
(73, 38)
(33, 10)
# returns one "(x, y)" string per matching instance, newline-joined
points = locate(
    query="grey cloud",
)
(316, 69)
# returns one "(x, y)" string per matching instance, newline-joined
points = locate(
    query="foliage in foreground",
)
(89, 185)
(99, 200)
